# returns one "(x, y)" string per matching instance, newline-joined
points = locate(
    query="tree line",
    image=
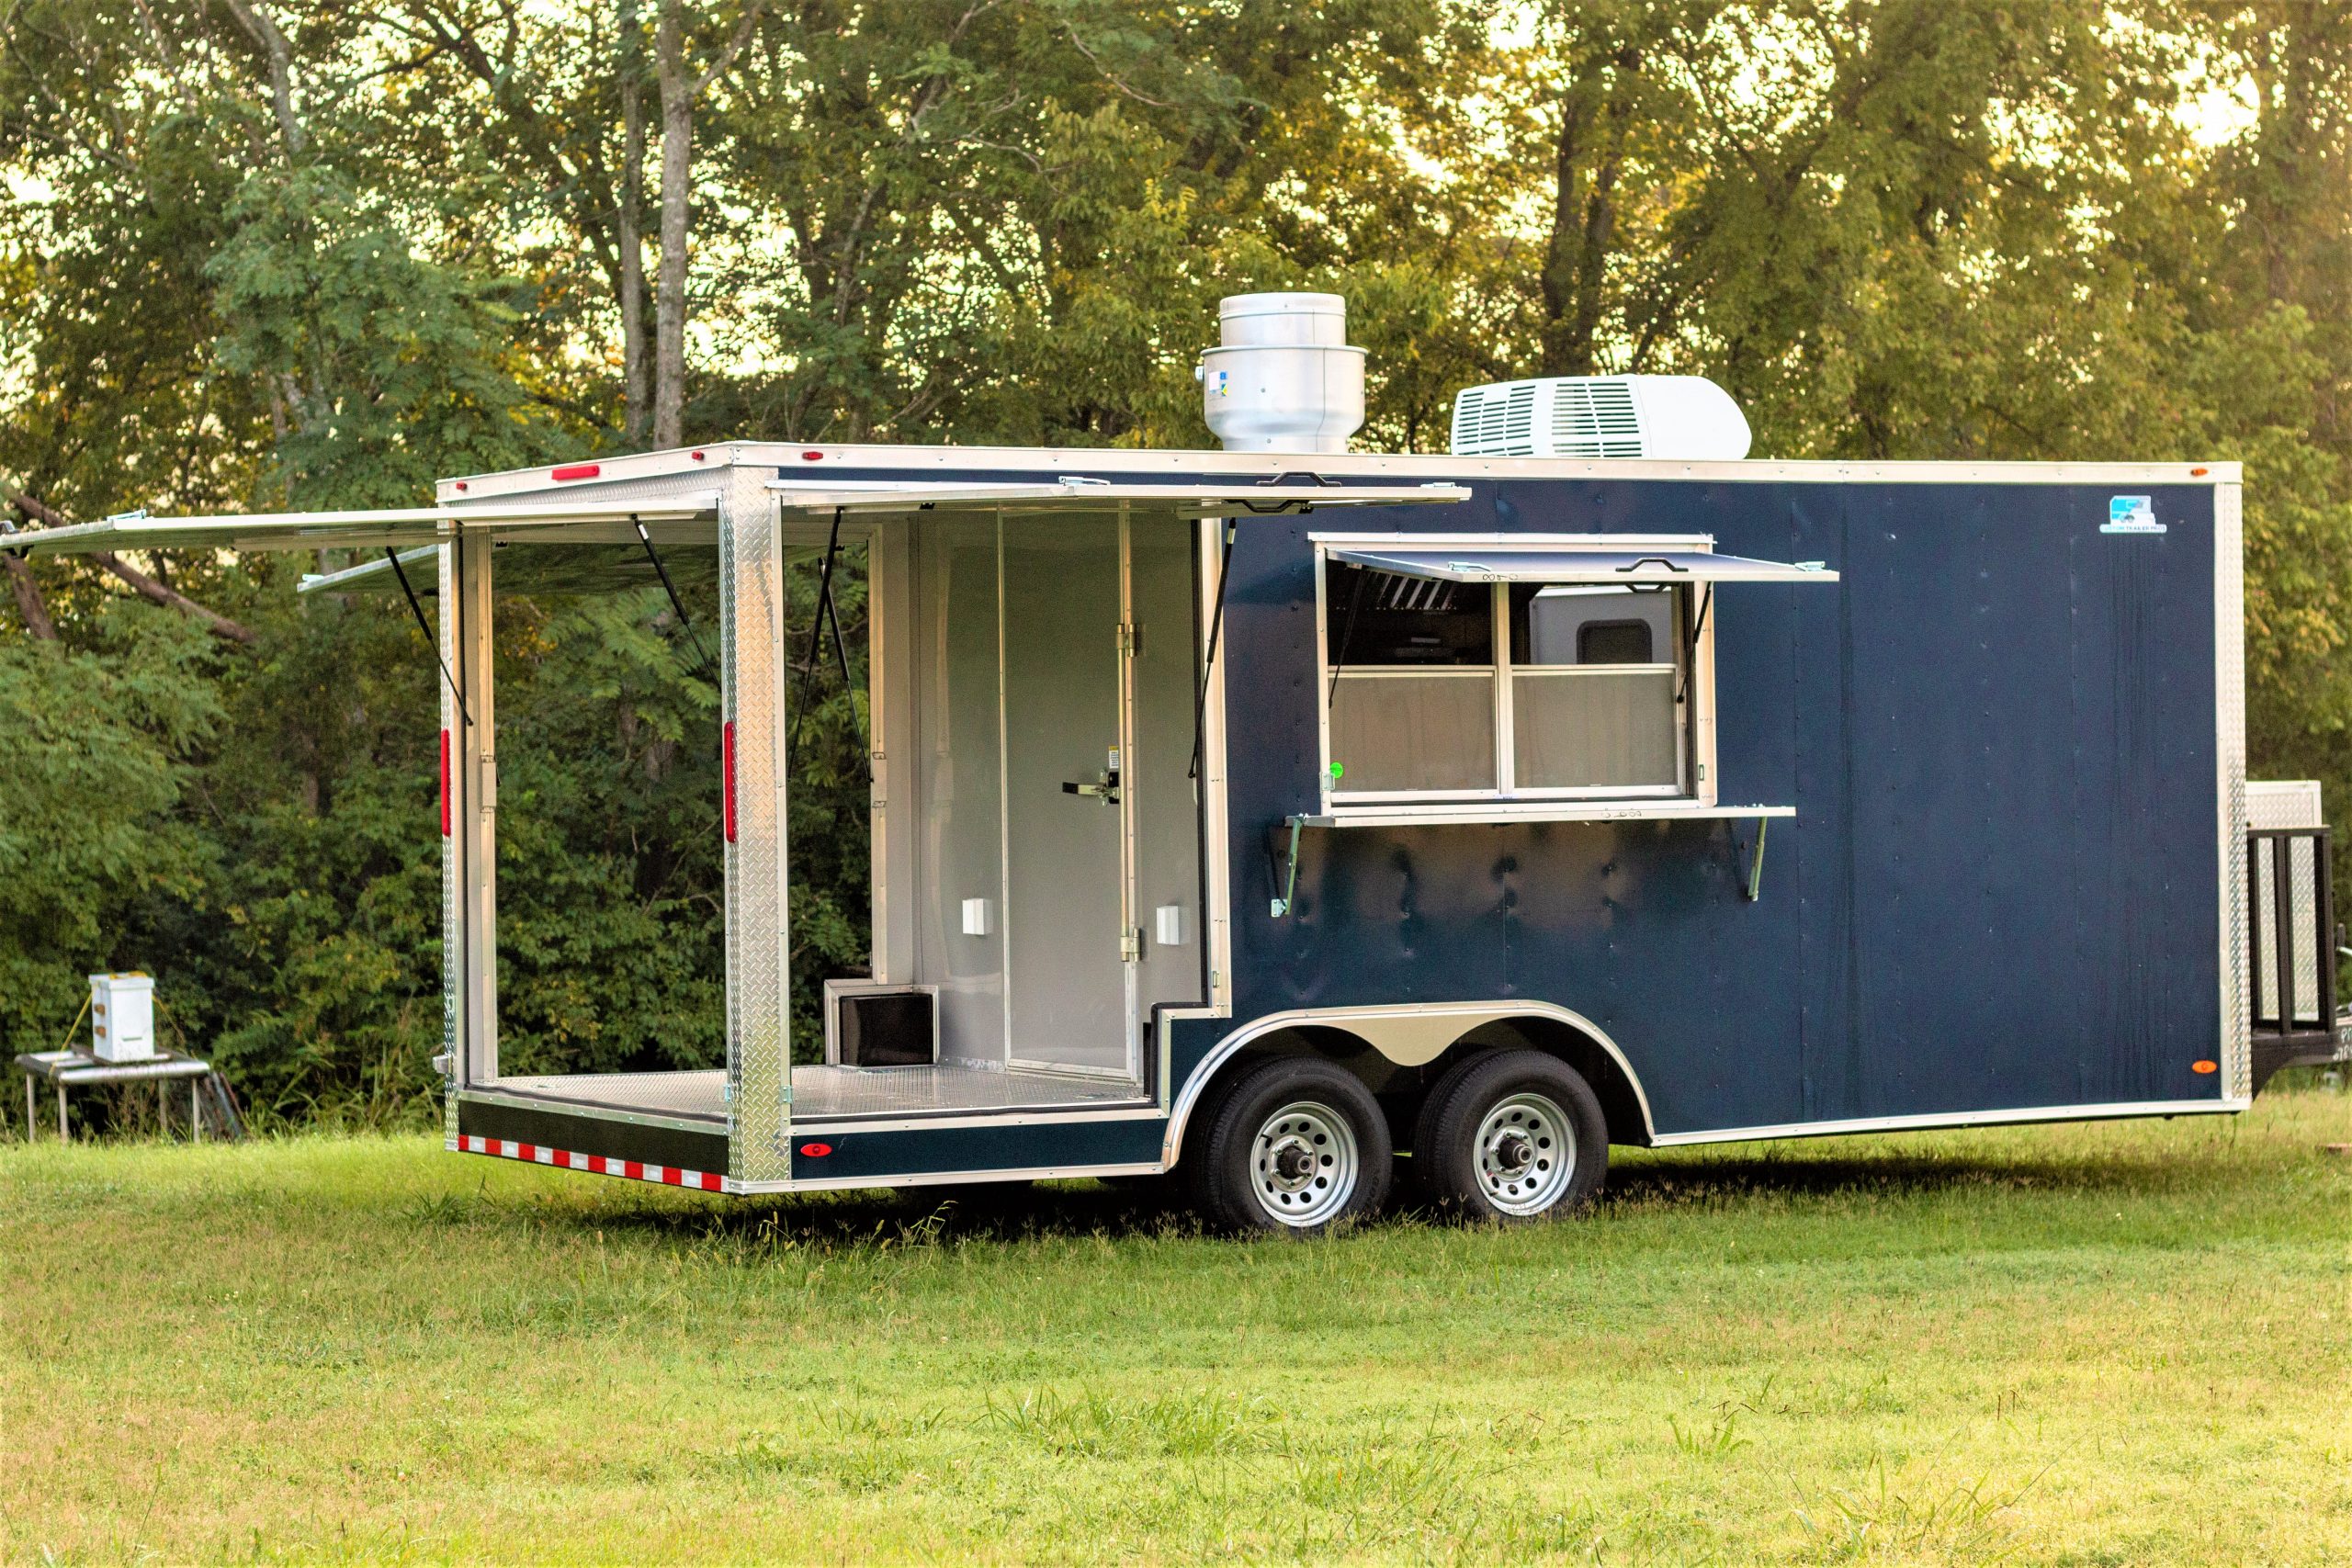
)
(270, 254)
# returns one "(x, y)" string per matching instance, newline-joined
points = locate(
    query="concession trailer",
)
(1261, 815)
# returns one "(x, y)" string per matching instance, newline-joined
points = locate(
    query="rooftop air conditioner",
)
(1683, 417)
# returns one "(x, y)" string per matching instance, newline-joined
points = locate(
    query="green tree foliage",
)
(263, 254)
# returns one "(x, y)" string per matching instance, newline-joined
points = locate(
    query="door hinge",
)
(1131, 637)
(1130, 945)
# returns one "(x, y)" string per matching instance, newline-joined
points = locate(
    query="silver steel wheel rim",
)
(1303, 1164)
(1526, 1154)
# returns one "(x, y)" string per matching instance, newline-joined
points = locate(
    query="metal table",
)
(73, 1069)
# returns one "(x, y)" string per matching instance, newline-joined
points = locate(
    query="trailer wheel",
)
(1516, 1136)
(1297, 1146)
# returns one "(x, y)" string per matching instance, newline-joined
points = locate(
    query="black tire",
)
(1515, 1137)
(1296, 1147)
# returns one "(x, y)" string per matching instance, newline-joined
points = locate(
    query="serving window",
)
(1475, 690)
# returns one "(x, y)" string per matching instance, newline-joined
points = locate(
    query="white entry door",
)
(1071, 949)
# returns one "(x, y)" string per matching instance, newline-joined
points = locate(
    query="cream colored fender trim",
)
(1410, 1036)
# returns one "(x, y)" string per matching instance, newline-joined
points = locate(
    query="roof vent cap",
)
(1282, 377)
(1684, 418)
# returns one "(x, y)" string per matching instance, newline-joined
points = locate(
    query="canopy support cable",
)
(1347, 634)
(1208, 664)
(1706, 599)
(431, 642)
(704, 667)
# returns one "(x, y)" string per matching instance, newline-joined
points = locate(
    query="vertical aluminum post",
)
(752, 700)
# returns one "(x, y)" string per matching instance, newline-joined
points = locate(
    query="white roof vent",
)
(1683, 417)
(1282, 377)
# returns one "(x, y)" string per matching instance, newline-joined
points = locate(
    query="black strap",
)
(1217, 624)
(702, 666)
(1692, 660)
(827, 610)
(431, 642)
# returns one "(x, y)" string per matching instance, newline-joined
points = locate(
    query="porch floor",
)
(821, 1092)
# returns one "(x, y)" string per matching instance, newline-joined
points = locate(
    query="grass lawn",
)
(2122, 1343)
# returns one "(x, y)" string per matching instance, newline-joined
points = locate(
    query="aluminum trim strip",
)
(950, 1177)
(1551, 811)
(2229, 720)
(1929, 1119)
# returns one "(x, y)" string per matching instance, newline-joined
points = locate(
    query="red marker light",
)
(811, 456)
(727, 777)
(816, 1151)
(444, 783)
(695, 454)
(576, 471)
(461, 484)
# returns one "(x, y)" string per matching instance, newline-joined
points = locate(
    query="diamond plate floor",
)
(870, 1091)
(831, 1091)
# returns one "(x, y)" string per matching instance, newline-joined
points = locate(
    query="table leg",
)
(196, 1110)
(62, 1135)
(30, 1128)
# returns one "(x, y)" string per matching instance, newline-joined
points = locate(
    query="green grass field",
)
(2122, 1343)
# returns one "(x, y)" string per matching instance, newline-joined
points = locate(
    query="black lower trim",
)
(581, 1135)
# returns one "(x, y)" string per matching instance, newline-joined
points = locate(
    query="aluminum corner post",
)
(759, 1048)
(469, 858)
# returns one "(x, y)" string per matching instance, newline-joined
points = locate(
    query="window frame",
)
(1695, 735)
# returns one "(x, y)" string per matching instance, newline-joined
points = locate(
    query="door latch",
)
(1105, 787)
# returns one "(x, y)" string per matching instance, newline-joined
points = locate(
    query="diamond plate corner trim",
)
(2229, 705)
(759, 1052)
(453, 956)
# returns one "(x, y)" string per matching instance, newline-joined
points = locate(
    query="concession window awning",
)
(1637, 566)
(1075, 496)
(677, 519)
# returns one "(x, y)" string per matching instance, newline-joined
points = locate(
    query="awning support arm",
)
(1706, 599)
(702, 667)
(826, 611)
(431, 642)
(1209, 665)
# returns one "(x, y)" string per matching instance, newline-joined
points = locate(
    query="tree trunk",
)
(220, 625)
(634, 355)
(677, 88)
(1594, 116)
(30, 607)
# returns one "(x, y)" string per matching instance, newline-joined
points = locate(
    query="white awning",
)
(681, 519)
(1500, 563)
(1206, 499)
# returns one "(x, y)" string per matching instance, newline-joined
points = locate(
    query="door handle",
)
(1105, 788)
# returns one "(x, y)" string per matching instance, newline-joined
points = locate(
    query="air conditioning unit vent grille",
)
(1683, 417)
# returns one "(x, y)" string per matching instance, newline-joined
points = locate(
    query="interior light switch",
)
(976, 921)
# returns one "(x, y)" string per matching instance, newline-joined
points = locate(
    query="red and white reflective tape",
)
(564, 1159)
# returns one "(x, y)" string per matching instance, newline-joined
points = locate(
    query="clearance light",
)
(2205, 1067)
(576, 471)
(727, 776)
(811, 456)
(816, 1151)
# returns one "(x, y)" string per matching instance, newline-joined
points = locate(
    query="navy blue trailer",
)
(1261, 824)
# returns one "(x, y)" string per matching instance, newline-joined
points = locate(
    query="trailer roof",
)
(818, 461)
